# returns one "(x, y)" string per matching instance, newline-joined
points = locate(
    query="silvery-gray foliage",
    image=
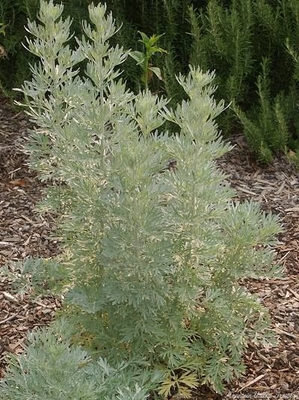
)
(55, 369)
(152, 255)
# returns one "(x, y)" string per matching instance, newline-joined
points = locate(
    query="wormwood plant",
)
(153, 245)
(53, 369)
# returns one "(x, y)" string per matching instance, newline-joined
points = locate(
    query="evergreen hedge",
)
(248, 43)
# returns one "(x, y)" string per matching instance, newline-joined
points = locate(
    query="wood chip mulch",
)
(23, 233)
(272, 373)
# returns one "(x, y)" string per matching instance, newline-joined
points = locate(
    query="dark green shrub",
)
(14, 67)
(246, 43)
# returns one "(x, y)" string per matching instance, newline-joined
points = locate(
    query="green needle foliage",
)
(2, 29)
(248, 43)
(267, 131)
(153, 245)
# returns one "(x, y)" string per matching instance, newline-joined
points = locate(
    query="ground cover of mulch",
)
(272, 373)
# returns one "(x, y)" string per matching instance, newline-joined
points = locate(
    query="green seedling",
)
(143, 57)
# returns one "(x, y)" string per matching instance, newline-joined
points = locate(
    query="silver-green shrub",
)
(153, 245)
(54, 369)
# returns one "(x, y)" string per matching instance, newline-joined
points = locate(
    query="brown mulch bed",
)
(23, 233)
(274, 372)
(271, 373)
